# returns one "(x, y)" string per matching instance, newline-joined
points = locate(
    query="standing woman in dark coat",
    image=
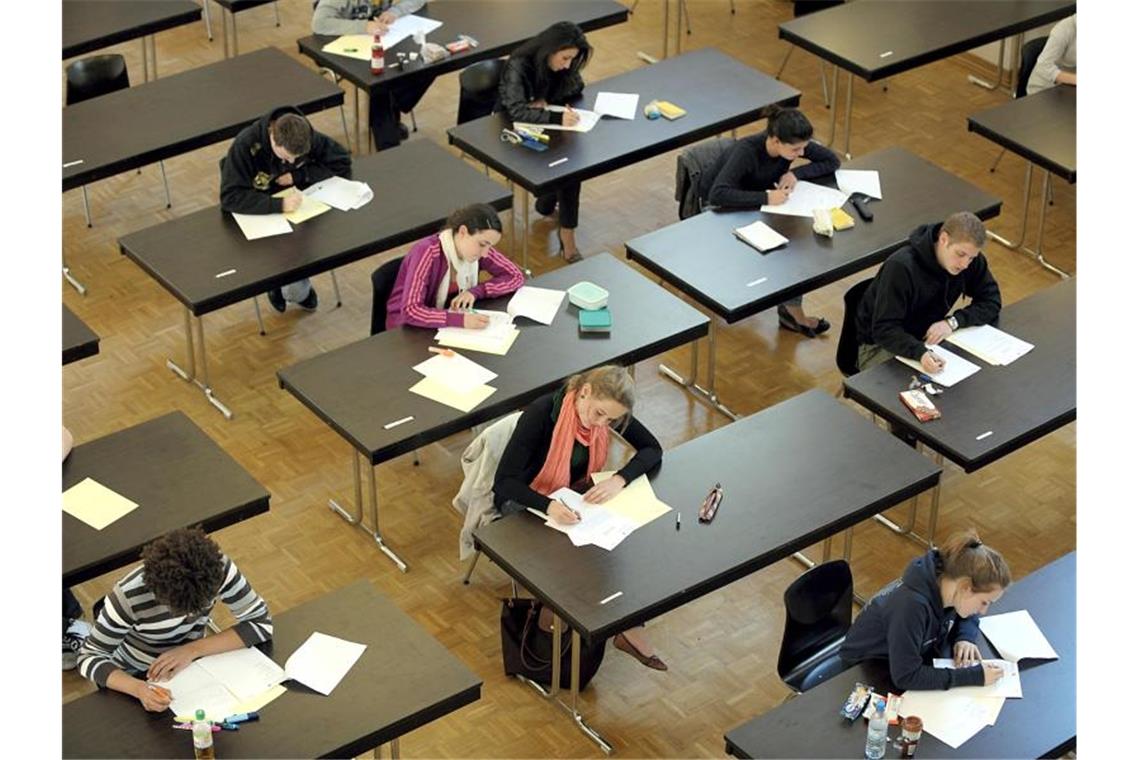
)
(545, 71)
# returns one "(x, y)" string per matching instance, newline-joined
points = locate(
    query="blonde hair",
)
(608, 382)
(965, 556)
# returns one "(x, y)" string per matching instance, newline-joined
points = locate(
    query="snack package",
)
(856, 701)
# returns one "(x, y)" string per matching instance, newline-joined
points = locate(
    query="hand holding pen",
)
(932, 363)
(562, 513)
(570, 117)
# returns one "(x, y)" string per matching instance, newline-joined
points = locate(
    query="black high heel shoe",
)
(576, 257)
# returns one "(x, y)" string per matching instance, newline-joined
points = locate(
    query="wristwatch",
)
(953, 322)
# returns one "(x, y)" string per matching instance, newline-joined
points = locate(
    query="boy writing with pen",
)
(910, 303)
(153, 622)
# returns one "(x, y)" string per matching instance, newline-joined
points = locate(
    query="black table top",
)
(92, 24)
(237, 6)
(156, 120)
(1041, 127)
(185, 254)
(1016, 404)
(719, 93)
(1043, 723)
(876, 39)
(498, 25)
(915, 192)
(176, 474)
(404, 680)
(359, 388)
(79, 340)
(776, 502)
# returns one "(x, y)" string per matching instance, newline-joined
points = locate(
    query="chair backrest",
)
(383, 280)
(479, 89)
(817, 609)
(847, 352)
(98, 75)
(1030, 52)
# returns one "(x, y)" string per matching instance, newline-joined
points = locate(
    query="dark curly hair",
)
(184, 570)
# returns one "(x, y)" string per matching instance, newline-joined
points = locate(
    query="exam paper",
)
(990, 344)
(340, 193)
(358, 46)
(1016, 636)
(598, 526)
(476, 340)
(309, 207)
(955, 370)
(1009, 685)
(322, 661)
(255, 226)
(806, 197)
(864, 181)
(463, 400)
(586, 121)
(246, 673)
(623, 105)
(950, 715)
(539, 304)
(636, 502)
(95, 504)
(193, 688)
(407, 26)
(456, 372)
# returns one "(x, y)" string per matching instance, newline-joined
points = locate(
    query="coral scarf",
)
(555, 472)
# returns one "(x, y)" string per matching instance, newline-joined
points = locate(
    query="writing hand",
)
(787, 182)
(570, 117)
(562, 513)
(153, 698)
(291, 202)
(931, 363)
(993, 673)
(777, 196)
(474, 321)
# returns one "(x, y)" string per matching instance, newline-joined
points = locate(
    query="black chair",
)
(818, 616)
(383, 280)
(847, 352)
(93, 77)
(479, 89)
(1030, 52)
(803, 8)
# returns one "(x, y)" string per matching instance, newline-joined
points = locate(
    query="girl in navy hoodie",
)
(932, 611)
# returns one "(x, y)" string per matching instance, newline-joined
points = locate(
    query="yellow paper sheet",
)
(358, 46)
(637, 501)
(499, 349)
(95, 504)
(309, 207)
(464, 401)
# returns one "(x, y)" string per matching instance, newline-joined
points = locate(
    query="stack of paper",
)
(622, 105)
(952, 716)
(990, 344)
(760, 236)
(340, 193)
(806, 197)
(954, 371)
(359, 46)
(1016, 636)
(598, 526)
(95, 504)
(586, 121)
(496, 338)
(454, 380)
(220, 683)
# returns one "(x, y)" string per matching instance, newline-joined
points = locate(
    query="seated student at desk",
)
(1057, 63)
(905, 307)
(757, 172)
(278, 151)
(546, 71)
(153, 622)
(560, 440)
(341, 17)
(932, 611)
(438, 283)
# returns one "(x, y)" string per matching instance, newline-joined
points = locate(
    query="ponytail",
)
(965, 556)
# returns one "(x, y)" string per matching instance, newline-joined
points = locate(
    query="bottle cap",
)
(200, 715)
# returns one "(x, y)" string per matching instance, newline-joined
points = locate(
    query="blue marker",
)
(243, 717)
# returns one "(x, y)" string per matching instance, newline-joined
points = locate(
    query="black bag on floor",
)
(528, 649)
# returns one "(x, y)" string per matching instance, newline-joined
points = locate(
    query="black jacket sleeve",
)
(905, 631)
(894, 291)
(326, 158)
(823, 162)
(728, 189)
(985, 296)
(648, 449)
(515, 95)
(531, 436)
(238, 193)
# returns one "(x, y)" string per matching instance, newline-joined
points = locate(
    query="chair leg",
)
(276, 13)
(165, 184)
(336, 287)
(257, 311)
(86, 207)
(1049, 188)
(206, 18)
(791, 49)
(823, 80)
(732, 7)
(415, 127)
(471, 567)
(997, 160)
(416, 458)
(688, 24)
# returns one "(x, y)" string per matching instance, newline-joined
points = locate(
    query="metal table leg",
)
(835, 95)
(191, 375)
(336, 287)
(1001, 71)
(257, 311)
(471, 567)
(206, 14)
(357, 519)
(847, 119)
(356, 118)
(523, 198)
(1037, 253)
(67, 275)
(376, 522)
(1019, 244)
(153, 58)
(708, 395)
(145, 61)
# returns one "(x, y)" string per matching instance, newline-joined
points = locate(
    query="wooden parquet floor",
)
(722, 648)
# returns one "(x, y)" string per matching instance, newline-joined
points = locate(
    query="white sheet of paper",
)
(477, 340)
(864, 181)
(955, 370)
(949, 715)
(990, 344)
(194, 688)
(95, 504)
(539, 304)
(760, 236)
(598, 526)
(806, 197)
(407, 26)
(1008, 686)
(623, 105)
(245, 672)
(255, 226)
(322, 661)
(455, 371)
(340, 193)
(1016, 636)
(586, 121)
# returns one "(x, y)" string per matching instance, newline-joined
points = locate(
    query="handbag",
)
(528, 649)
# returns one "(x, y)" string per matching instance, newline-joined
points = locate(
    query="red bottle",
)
(377, 55)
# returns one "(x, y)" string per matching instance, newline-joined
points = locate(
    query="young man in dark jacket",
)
(908, 305)
(278, 151)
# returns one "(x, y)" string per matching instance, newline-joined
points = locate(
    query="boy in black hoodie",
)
(932, 611)
(906, 306)
(280, 150)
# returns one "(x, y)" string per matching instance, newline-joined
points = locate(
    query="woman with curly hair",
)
(153, 623)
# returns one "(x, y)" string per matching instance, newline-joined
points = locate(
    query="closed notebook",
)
(760, 236)
(597, 320)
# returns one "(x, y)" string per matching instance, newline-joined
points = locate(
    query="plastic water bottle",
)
(877, 732)
(203, 732)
